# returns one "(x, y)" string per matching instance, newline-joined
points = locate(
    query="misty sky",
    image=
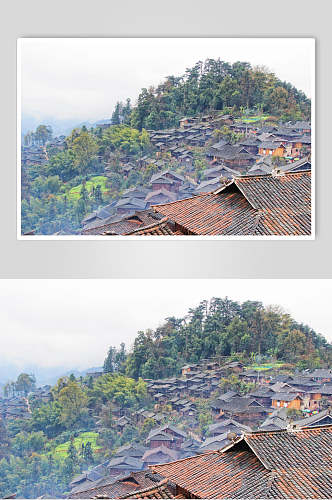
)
(84, 78)
(71, 323)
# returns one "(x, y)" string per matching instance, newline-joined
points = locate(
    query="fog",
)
(71, 323)
(83, 78)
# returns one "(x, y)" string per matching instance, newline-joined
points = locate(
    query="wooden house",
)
(186, 122)
(272, 148)
(286, 400)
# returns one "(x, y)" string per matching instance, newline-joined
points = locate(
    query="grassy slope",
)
(265, 366)
(74, 193)
(62, 449)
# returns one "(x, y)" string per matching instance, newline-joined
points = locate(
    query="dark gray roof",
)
(285, 396)
(315, 419)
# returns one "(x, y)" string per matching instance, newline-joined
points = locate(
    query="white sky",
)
(83, 79)
(71, 323)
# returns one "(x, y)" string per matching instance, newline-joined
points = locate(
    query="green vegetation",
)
(57, 195)
(253, 119)
(75, 193)
(222, 327)
(82, 439)
(217, 85)
(266, 366)
(41, 455)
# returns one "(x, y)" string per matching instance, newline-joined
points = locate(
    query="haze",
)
(82, 78)
(71, 323)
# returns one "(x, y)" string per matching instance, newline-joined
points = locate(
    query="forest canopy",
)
(223, 327)
(217, 85)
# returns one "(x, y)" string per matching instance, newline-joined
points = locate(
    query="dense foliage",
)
(41, 455)
(222, 327)
(75, 428)
(217, 85)
(57, 195)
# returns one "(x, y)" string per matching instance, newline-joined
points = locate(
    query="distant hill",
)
(43, 375)
(60, 127)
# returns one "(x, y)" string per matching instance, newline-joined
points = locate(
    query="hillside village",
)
(266, 408)
(186, 392)
(264, 155)
(261, 156)
(151, 170)
(276, 401)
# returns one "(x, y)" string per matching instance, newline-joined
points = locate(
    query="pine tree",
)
(98, 195)
(72, 453)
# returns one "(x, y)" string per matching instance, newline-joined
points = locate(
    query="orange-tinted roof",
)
(287, 463)
(161, 228)
(160, 490)
(212, 214)
(250, 205)
(218, 475)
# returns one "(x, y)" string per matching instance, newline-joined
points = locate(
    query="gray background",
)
(176, 258)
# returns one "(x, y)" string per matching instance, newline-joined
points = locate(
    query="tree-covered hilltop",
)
(222, 327)
(215, 85)
(74, 425)
(64, 180)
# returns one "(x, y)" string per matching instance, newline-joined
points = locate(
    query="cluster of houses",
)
(266, 158)
(292, 463)
(18, 407)
(184, 198)
(41, 395)
(276, 204)
(176, 462)
(164, 443)
(165, 187)
(37, 154)
(33, 155)
(14, 408)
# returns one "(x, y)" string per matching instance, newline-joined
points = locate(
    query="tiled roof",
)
(126, 224)
(305, 448)
(161, 228)
(248, 205)
(213, 475)
(301, 484)
(161, 490)
(163, 450)
(286, 192)
(119, 487)
(280, 464)
(284, 396)
(212, 214)
(324, 415)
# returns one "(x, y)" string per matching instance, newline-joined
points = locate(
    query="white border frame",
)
(310, 237)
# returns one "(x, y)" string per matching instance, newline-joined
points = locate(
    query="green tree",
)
(25, 383)
(85, 149)
(73, 402)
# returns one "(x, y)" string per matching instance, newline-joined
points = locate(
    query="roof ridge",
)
(177, 201)
(248, 176)
(306, 428)
(211, 452)
(150, 226)
(148, 488)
